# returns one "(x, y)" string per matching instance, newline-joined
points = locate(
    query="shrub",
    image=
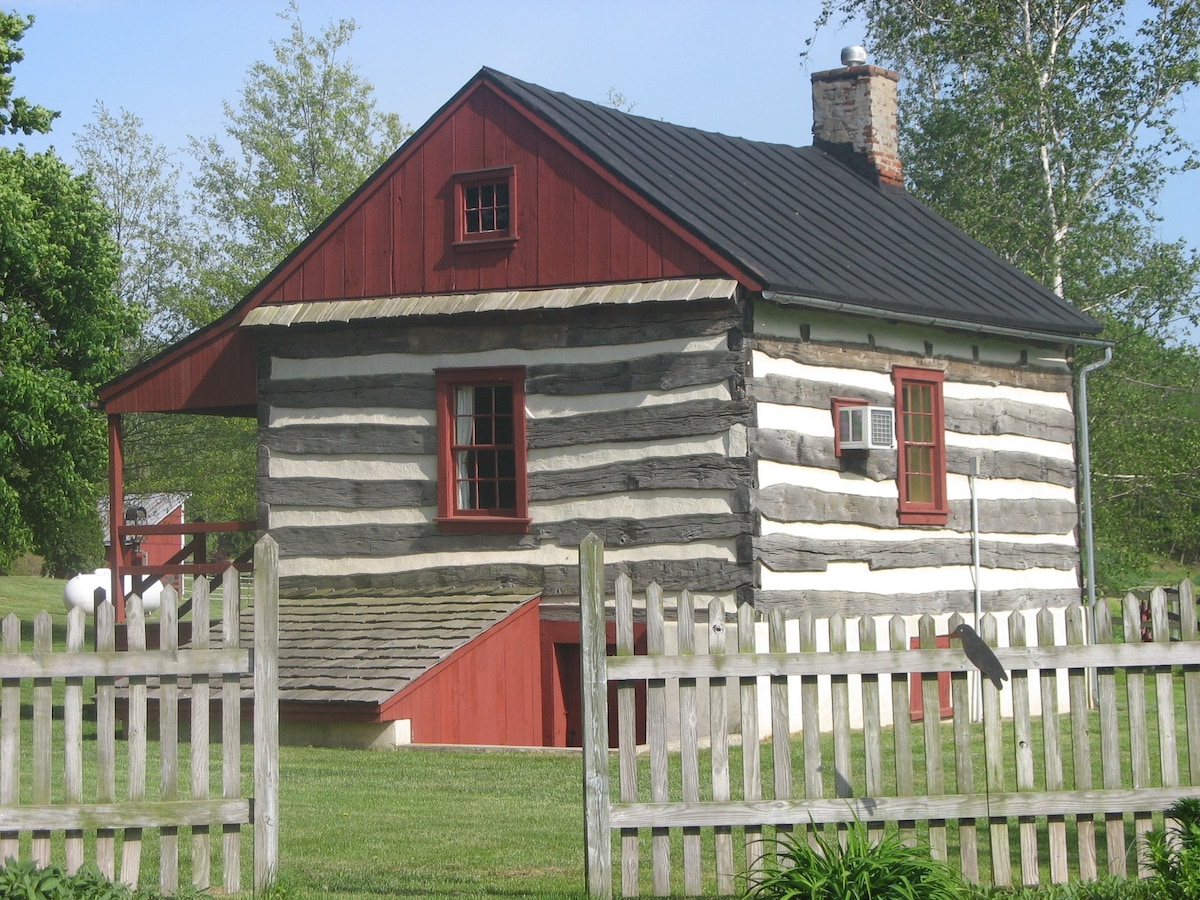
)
(25, 880)
(855, 868)
(1175, 852)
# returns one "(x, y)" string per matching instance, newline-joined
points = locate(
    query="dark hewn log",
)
(533, 330)
(337, 493)
(789, 553)
(789, 503)
(704, 575)
(793, 448)
(848, 357)
(404, 391)
(436, 582)
(337, 541)
(644, 423)
(644, 532)
(660, 372)
(702, 472)
(349, 440)
(552, 581)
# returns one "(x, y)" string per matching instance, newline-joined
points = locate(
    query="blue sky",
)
(723, 65)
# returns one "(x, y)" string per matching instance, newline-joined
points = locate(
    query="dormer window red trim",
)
(921, 446)
(485, 207)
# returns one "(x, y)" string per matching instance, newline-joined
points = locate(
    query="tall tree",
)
(139, 182)
(61, 324)
(303, 135)
(1046, 129)
(307, 133)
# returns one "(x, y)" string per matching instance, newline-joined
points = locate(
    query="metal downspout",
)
(1089, 557)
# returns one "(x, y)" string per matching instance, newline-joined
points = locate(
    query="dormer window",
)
(485, 206)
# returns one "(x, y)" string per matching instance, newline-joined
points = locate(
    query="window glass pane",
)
(484, 456)
(487, 195)
(472, 223)
(488, 222)
(918, 429)
(472, 195)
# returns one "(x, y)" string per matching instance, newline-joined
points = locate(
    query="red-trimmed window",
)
(835, 407)
(485, 203)
(482, 482)
(920, 446)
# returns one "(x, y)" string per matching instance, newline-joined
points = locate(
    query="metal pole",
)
(977, 694)
(1085, 468)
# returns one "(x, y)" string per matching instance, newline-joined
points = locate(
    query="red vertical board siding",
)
(293, 287)
(377, 242)
(487, 692)
(354, 239)
(555, 216)
(408, 210)
(468, 134)
(622, 212)
(437, 222)
(600, 233)
(333, 261)
(573, 225)
(522, 153)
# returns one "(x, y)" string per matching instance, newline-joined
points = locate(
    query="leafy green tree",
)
(307, 134)
(1046, 129)
(303, 136)
(16, 113)
(61, 324)
(139, 182)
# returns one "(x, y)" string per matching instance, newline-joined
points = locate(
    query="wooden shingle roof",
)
(366, 649)
(807, 225)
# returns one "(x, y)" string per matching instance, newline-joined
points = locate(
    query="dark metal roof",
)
(805, 224)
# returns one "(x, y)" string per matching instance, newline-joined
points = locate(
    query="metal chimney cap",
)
(854, 56)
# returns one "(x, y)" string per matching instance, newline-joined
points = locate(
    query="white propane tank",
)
(80, 591)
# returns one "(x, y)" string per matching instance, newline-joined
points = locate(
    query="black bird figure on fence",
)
(980, 654)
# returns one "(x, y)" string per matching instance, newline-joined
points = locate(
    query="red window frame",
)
(473, 204)
(481, 450)
(921, 446)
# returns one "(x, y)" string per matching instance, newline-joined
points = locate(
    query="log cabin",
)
(759, 372)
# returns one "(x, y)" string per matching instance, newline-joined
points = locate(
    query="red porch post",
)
(116, 513)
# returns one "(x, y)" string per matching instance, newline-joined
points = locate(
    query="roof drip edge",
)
(786, 299)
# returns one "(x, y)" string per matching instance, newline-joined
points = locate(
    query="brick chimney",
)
(855, 118)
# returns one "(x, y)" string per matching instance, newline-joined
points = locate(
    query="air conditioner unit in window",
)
(866, 428)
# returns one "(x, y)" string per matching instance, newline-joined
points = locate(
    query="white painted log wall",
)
(850, 577)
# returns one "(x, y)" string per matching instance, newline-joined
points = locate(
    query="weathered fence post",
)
(594, 682)
(266, 712)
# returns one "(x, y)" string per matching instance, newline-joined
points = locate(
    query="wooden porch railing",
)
(196, 549)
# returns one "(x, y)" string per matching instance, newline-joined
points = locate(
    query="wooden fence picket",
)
(127, 679)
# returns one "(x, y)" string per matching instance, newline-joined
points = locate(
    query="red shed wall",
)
(489, 692)
(574, 226)
(159, 548)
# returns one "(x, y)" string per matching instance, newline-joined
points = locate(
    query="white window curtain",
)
(464, 434)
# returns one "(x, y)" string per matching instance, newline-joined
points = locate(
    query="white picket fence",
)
(197, 675)
(1053, 795)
